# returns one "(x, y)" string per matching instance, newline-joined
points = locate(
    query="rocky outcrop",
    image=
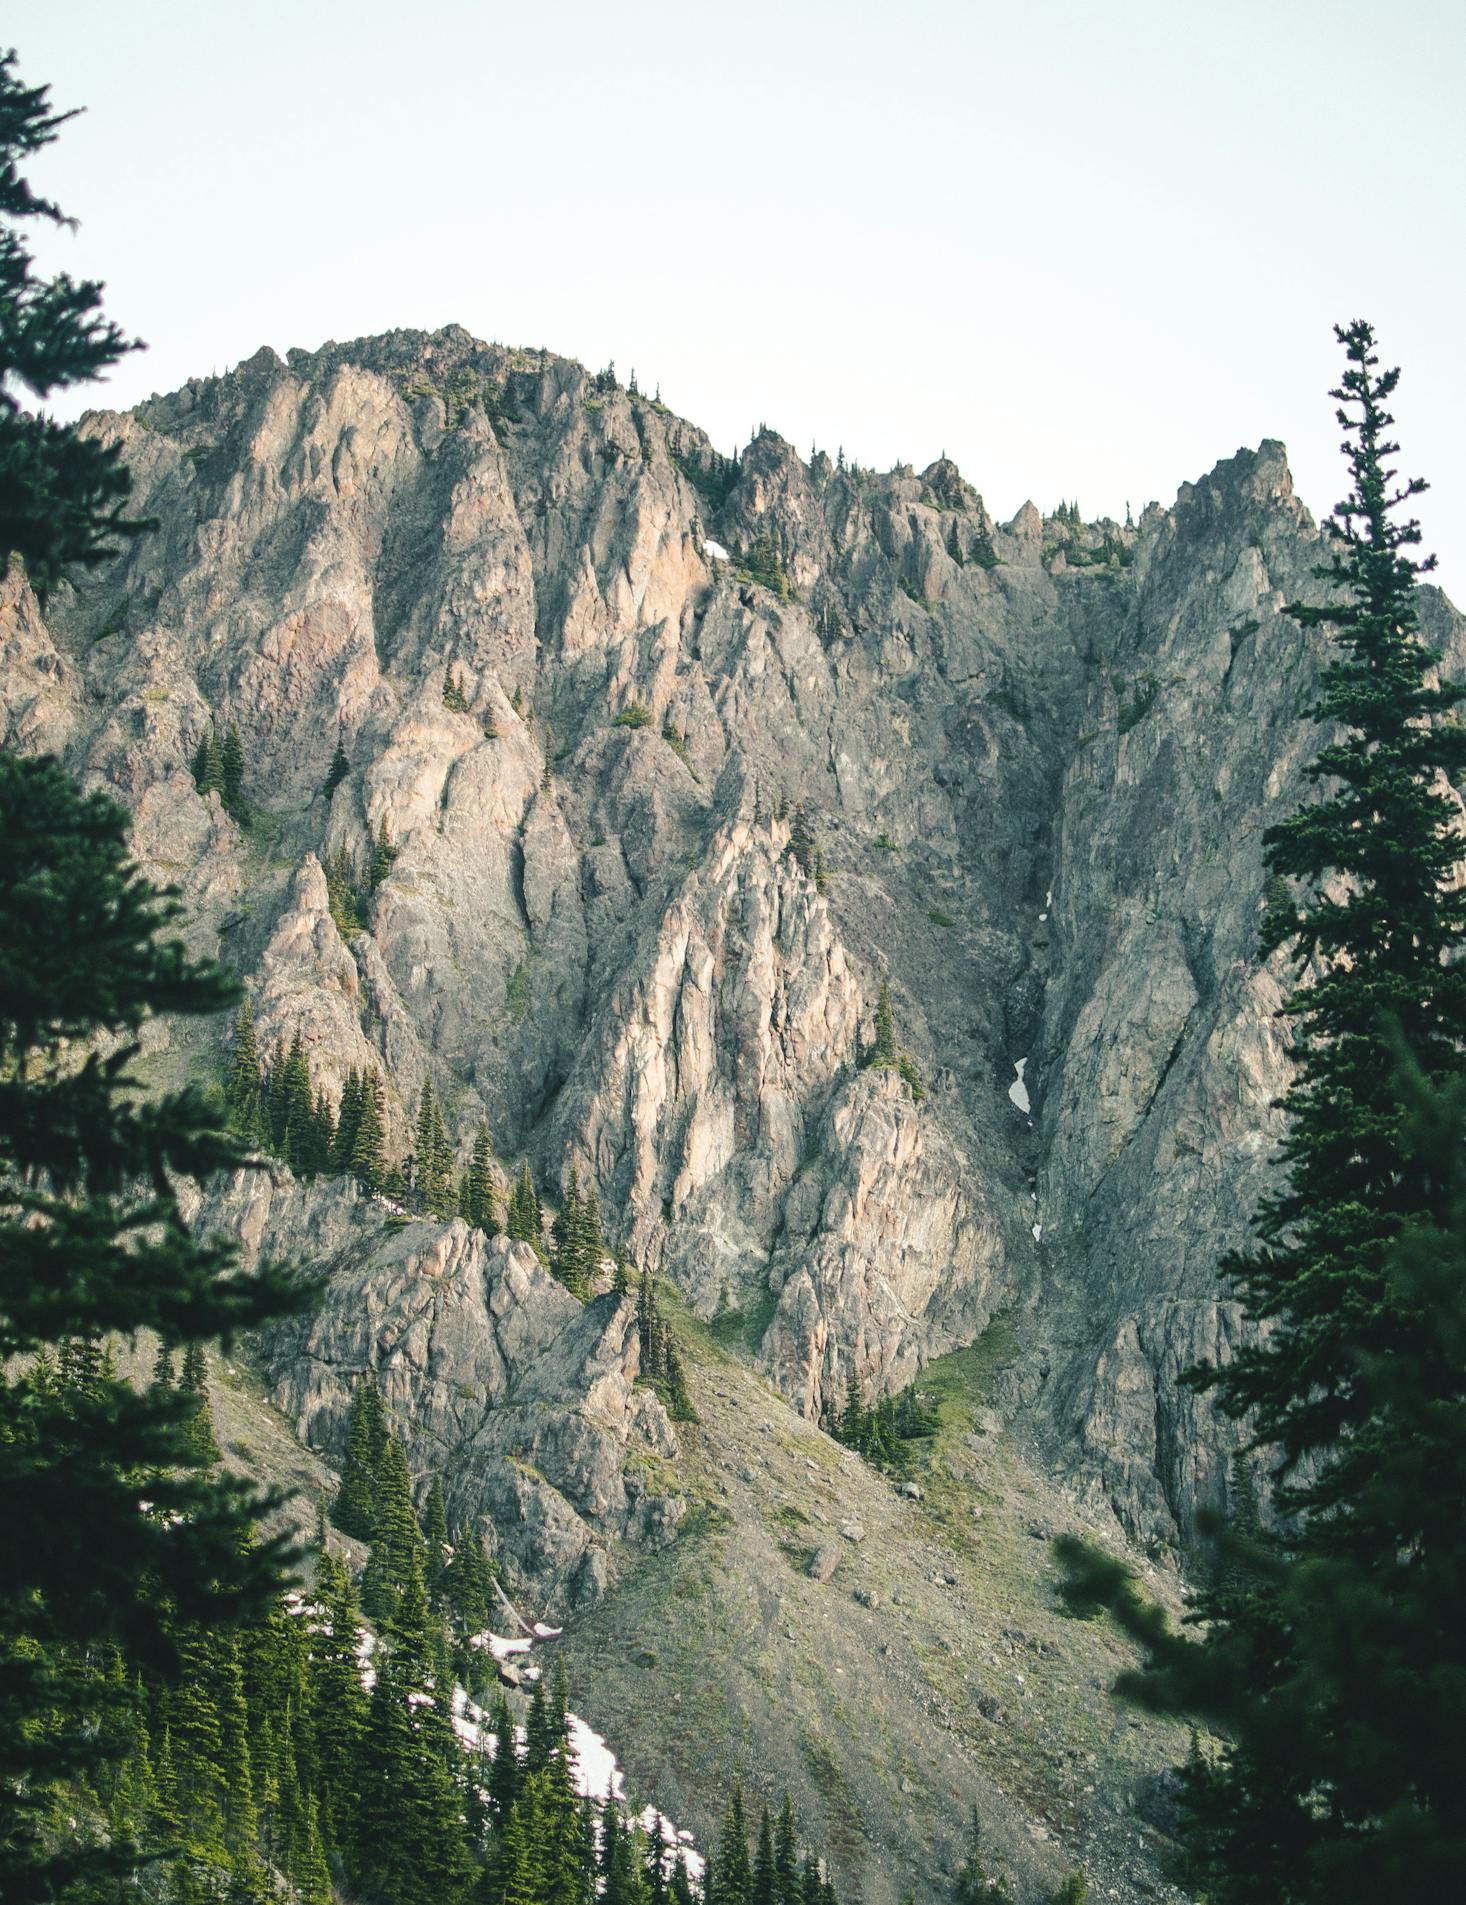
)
(1036, 760)
(522, 1398)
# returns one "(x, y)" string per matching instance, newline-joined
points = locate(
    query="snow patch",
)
(716, 551)
(1038, 1231)
(1018, 1091)
(498, 1646)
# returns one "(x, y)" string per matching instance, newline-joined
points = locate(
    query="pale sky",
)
(1085, 249)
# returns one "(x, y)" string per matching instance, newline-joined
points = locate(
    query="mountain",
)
(667, 760)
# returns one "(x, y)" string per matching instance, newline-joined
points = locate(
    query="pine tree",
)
(762, 1887)
(240, 1819)
(801, 840)
(194, 1384)
(526, 1218)
(505, 1773)
(208, 763)
(383, 854)
(730, 1879)
(368, 1162)
(94, 1242)
(348, 1122)
(1324, 1656)
(61, 494)
(975, 1884)
(478, 1201)
(242, 1086)
(427, 1176)
(336, 1702)
(408, 1844)
(565, 1238)
(340, 767)
(435, 1538)
(354, 1510)
(231, 773)
(885, 1046)
(397, 1544)
(786, 1856)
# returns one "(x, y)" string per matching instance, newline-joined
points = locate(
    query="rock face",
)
(664, 818)
(522, 1398)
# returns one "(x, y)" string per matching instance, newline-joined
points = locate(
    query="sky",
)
(1087, 250)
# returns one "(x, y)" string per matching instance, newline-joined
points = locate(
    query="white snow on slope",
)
(1018, 1091)
(716, 551)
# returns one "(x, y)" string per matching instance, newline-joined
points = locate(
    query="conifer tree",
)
(435, 1537)
(200, 1422)
(231, 773)
(336, 1701)
(340, 767)
(93, 1241)
(478, 1200)
(526, 1218)
(354, 1510)
(408, 1845)
(368, 1162)
(786, 1856)
(208, 763)
(566, 1238)
(62, 495)
(397, 1543)
(1323, 1659)
(762, 1885)
(348, 1121)
(801, 840)
(242, 1087)
(383, 854)
(504, 1775)
(730, 1878)
(885, 1046)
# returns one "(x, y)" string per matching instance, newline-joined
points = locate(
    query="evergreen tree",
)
(336, 1701)
(801, 840)
(435, 1538)
(762, 1885)
(786, 1856)
(383, 854)
(92, 1240)
(526, 1218)
(1326, 1653)
(730, 1879)
(340, 767)
(348, 1122)
(408, 1845)
(505, 1773)
(885, 1046)
(196, 1758)
(200, 1422)
(62, 495)
(478, 1200)
(975, 1884)
(397, 1543)
(231, 773)
(368, 1162)
(242, 1086)
(354, 1510)
(566, 1239)
(208, 764)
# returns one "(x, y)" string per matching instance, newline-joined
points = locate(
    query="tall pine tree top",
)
(62, 496)
(1375, 924)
